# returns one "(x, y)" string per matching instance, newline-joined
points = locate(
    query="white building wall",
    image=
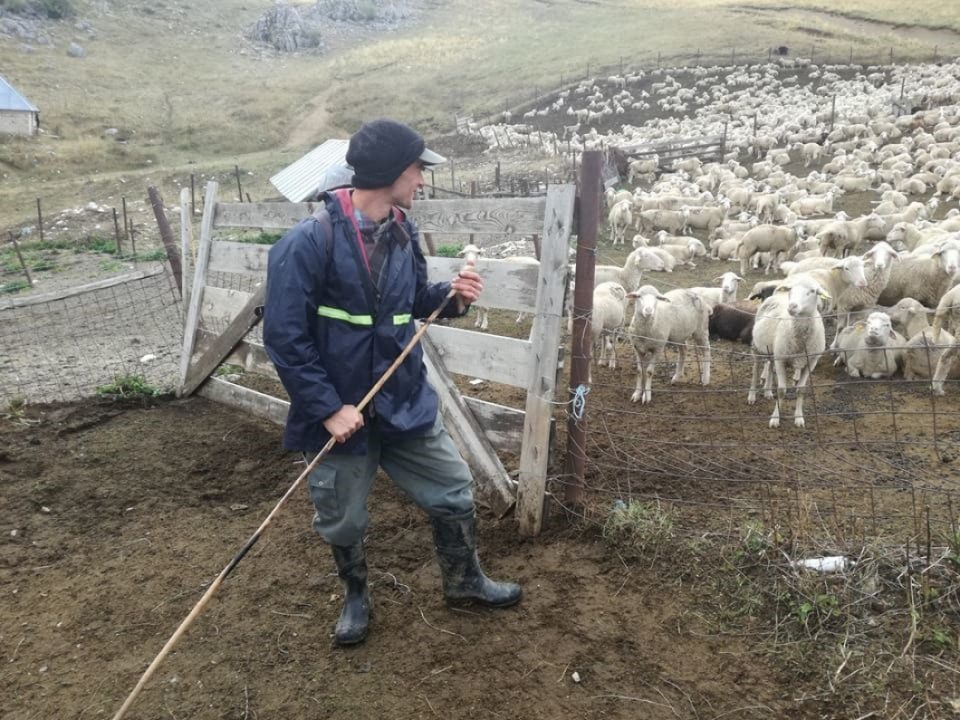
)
(16, 122)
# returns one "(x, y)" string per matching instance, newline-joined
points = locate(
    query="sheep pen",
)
(698, 520)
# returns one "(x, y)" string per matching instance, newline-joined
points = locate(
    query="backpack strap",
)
(322, 216)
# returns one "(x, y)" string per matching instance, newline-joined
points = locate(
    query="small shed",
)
(18, 116)
(322, 168)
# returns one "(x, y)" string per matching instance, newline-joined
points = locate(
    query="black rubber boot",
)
(463, 580)
(355, 616)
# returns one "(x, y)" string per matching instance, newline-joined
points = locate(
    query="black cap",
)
(381, 150)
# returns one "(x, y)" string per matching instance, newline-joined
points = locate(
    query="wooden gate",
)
(219, 319)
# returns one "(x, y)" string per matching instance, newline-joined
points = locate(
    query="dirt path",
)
(314, 127)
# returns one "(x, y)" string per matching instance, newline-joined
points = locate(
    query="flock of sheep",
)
(867, 285)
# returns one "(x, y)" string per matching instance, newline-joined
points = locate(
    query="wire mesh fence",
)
(875, 461)
(62, 347)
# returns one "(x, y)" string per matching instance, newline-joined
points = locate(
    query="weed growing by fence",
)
(129, 386)
(13, 286)
(638, 526)
(449, 250)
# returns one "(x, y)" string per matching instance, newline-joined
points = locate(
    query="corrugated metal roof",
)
(325, 164)
(10, 99)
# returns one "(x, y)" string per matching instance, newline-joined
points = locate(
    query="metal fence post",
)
(588, 224)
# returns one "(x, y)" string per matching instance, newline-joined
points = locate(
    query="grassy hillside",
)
(188, 94)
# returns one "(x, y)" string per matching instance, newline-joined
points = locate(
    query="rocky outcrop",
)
(282, 28)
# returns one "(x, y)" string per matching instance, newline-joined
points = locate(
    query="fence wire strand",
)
(874, 457)
(64, 349)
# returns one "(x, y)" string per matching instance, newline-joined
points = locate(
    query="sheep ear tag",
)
(860, 326)
(823, 294)
(782, 289)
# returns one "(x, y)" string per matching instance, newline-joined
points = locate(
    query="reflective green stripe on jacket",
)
(338, 314)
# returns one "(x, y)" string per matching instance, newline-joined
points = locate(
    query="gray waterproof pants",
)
(427, 468)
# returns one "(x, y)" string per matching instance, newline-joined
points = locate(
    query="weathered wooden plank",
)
(186, 244)
(40, 298)
(241, 258)
(502, 425)
(249, 355)
(256, 403)
(192, 320)
(220, 306)
(208, 361)
(520, 216)
(491, 357)
(267, 215)
(508, 285)
(545, 336)
(493, 486)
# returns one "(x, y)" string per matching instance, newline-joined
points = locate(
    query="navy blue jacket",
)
(331, 334)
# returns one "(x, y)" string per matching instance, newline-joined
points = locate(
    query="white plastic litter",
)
(829, 564)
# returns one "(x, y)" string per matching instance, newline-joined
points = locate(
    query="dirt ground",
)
(117, 518)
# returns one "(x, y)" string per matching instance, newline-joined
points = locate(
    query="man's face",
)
(405, 187)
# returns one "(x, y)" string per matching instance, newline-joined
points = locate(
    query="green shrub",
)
(13, 286)
(130, 386)
(449, 250)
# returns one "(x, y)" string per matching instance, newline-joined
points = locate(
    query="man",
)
(343, 290)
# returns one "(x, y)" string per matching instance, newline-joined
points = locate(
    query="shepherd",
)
(343, 290)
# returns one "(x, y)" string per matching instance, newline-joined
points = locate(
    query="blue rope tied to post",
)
(579, 402)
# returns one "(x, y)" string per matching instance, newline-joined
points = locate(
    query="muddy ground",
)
(117, 517)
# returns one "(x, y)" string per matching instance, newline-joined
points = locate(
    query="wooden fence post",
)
(166, 235)
(116, 231)
(40, 219)
(126, 221)
(23, 264)
(588, 224)
(236, 171)
(545, 336)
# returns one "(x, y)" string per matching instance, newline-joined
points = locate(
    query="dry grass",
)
(180, 84)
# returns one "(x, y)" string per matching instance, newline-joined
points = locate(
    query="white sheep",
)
(674, 317)
(609, 302)
(630, 274)
(878, 265)
(673, 221)
(668, 260)
(923, 278)
(726, 293)
(788, 328)
(765, 238)
(644, 166)
(813, 205)
(684, 254)
(870, 348)
(922, 355)
(705, 218)
(620, 219)
(947, 316)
